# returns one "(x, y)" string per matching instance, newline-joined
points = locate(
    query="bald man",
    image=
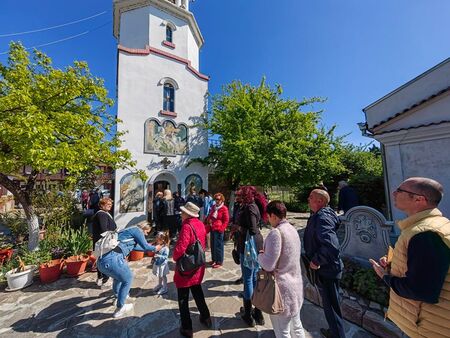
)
(322, 249)
(417, 271)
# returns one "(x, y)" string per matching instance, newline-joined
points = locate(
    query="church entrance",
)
(159, 183)
(160, 186)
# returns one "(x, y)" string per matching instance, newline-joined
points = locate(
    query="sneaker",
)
(216, 266)
(99, 282)
(124, 309)
(162, 291)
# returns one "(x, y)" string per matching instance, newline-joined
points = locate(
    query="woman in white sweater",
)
(282, 247)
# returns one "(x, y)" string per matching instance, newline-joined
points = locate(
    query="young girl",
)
(161, 265)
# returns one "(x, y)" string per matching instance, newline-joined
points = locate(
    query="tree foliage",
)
(52, 119)
(269, 140)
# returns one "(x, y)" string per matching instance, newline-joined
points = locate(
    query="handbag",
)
(250, 253)
(266, 295)
(193, 258)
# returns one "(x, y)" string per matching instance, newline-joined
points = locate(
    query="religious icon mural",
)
(166, 138)
(193, 180)
(131, 194)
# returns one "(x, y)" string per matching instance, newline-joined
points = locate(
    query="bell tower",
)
(161, 93)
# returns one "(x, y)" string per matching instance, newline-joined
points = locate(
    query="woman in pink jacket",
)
(217, 222)
(282, 247)
(192, 282)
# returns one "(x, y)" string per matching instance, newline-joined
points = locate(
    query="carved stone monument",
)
(366, 234)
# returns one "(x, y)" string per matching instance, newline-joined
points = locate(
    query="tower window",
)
(169, 97)
(169, 34)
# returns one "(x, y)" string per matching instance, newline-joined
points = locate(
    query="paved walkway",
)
(73, 307)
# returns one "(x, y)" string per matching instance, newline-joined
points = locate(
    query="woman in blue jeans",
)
(248, 221)
(114, 265)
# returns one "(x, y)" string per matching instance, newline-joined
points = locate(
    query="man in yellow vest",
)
(417, 270)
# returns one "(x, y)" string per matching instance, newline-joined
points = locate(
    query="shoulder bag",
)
(193, 258)
(266, 295)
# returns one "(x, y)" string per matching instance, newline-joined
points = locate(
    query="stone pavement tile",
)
(76, 307)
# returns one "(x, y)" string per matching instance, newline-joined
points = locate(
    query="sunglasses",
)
(408, 192)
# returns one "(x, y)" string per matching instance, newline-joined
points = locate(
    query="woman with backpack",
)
(249, 223)
(113, 263)
(103, 221)
(192, 230)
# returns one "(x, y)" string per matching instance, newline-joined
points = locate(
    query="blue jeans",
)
(248, 278)
(114, 265)
(217, 247)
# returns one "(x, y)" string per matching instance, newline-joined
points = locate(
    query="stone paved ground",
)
(73, 307)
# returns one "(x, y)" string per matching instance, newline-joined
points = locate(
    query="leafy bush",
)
(76, 241)
(297, 206)
(16, 222)
(364, 282)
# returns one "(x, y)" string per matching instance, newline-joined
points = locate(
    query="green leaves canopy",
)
(268, 140)
(52, 119)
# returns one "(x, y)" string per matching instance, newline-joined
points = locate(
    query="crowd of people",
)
(417, 269)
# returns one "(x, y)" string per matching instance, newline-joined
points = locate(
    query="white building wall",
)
(418, 152)
(134, 28)
(140, 97)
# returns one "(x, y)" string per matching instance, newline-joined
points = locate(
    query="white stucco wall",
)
(134, 28)
(418, 152)
(147, 26)
(140, 97)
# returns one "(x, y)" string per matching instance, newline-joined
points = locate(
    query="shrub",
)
(76, 241)
(364, 282)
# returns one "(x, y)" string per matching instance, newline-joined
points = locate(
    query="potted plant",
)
(23, 267)
(49, 268)
(77, 244)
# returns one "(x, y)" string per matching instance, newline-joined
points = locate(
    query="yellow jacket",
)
(415, 318)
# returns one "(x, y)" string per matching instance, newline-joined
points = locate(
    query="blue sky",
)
(351, 52)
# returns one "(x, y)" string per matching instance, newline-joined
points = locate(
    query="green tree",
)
(265, 139)
(51, 119)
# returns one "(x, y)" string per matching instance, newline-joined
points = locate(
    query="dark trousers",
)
(217, 246)
(183, 304)
(329, 291)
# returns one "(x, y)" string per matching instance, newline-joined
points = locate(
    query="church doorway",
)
(160, 186)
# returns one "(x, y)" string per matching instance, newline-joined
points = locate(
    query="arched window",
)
(169, 34)
(169, 97)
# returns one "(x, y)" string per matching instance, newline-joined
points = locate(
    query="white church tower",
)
(160, 95)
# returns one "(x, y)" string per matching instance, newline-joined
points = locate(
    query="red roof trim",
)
(160, 52)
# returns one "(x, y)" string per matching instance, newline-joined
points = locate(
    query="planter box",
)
(76, 265)
(50, 271)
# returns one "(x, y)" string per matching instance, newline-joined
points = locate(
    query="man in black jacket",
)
(322, 249)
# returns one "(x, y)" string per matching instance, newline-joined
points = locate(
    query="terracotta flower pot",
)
(136, 255)
(76, 265)
(150, 253)
(51, 271)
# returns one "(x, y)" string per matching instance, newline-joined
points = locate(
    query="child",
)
(161, 265)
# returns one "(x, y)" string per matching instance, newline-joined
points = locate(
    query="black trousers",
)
(183, 304)
(329, 291)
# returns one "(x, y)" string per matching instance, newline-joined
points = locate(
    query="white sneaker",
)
(124, 309)
(99, 282)
(162, 291)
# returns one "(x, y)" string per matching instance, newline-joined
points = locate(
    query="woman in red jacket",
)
(217, 222)
(191, 223)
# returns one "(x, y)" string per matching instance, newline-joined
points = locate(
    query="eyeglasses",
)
(408, 192)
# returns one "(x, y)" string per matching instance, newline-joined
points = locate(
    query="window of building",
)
(169, 34)
(169, 97)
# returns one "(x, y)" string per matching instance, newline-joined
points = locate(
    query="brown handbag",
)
(266, 295)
